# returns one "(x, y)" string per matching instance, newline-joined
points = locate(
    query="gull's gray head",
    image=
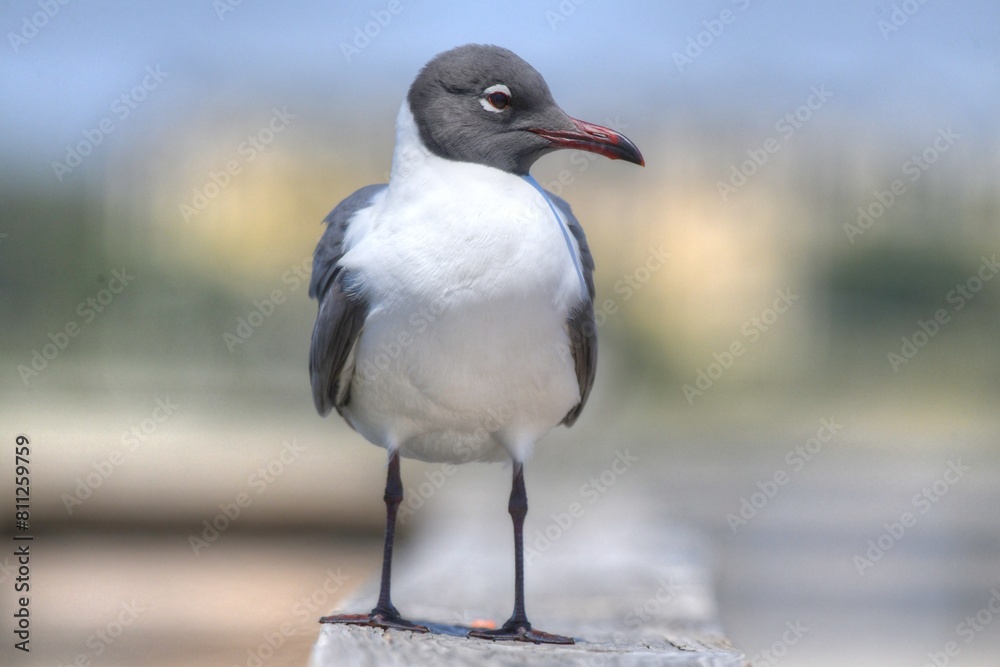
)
(484, 104)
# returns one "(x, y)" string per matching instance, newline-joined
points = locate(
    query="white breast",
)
(464, 355)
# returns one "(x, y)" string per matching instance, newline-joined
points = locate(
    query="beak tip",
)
(595, 139)
(629, 152)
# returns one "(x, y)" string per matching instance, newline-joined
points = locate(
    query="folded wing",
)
(580, 325)
(342, 313)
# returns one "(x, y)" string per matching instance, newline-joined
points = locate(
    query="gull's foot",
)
(389, 620)
(520, 632)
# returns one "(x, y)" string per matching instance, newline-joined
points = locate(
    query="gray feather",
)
(341, 313)
(330, 248)
(445, 101)
(581, 325)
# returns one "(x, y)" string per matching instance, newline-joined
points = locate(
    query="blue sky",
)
(941, 65)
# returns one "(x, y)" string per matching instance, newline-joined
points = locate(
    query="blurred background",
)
(799, 285)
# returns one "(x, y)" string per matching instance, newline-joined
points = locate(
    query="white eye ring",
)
(497, 88)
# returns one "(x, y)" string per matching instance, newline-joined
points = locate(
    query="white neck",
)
(410, 153)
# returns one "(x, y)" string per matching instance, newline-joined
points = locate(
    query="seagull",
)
(456, 303)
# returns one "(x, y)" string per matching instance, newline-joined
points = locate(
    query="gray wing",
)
(580, 325)
(341, 314)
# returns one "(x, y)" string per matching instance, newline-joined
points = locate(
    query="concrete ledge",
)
(630, 589)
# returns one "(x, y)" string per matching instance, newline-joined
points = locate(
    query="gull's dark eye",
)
(496, 98)
(499, 100)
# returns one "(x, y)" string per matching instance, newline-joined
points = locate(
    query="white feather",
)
(464, 355)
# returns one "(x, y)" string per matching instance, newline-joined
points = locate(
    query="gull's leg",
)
(384, 615)
(518, 628)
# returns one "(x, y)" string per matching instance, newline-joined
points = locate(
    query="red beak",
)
(596, 139)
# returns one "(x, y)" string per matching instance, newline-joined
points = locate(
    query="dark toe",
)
(375, 620)
(520, 633)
